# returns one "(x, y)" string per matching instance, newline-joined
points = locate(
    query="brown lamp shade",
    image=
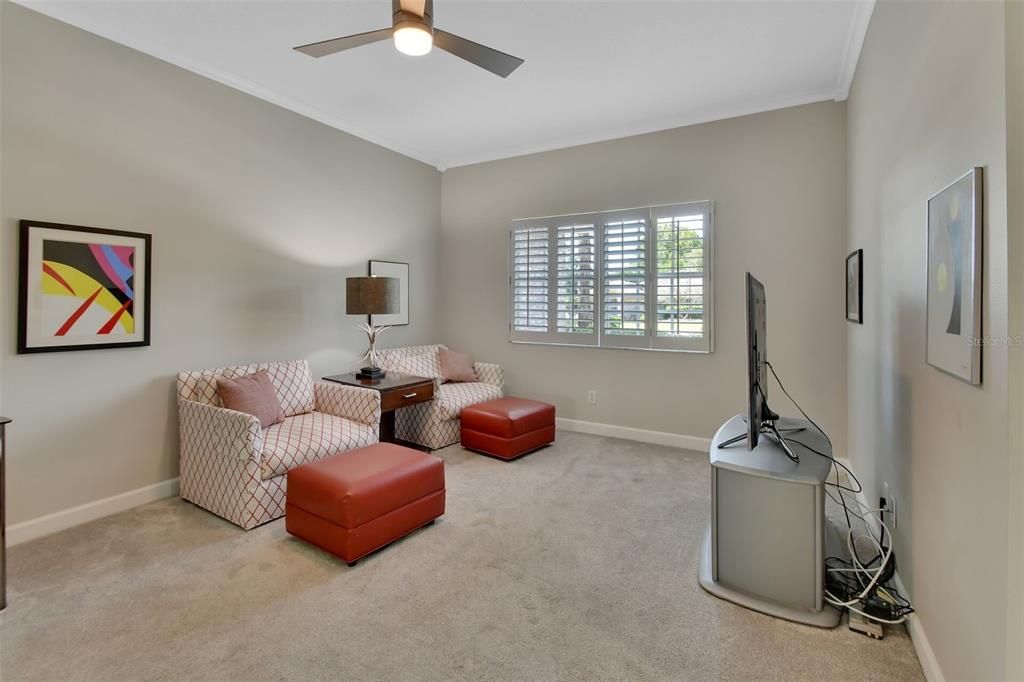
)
(371, 295)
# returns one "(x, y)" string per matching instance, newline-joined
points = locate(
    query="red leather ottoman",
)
(356, 502)
(508, 427)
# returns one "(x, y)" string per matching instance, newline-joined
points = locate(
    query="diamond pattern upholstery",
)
(451, 398)
(435, 424)
(292, 381)
(308, 437)
(235, 469)
(420, 365)
(357, 404)
(488, 373)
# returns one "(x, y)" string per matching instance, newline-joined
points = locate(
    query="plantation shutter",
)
(530, 280)
(624, 287)
(637, 278)
(576, 312)
(681, 264)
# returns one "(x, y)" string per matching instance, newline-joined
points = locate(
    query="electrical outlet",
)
(592, 397)
(891, 519)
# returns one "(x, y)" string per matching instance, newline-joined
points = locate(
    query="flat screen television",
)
(758, 413)
(760, 418)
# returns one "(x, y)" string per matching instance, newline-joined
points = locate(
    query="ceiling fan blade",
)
(326, 47)
(485, 57)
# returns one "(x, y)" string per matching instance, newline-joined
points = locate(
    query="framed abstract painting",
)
(82, 288)
(954, 278)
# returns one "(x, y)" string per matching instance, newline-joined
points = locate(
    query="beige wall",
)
(5, 327)
(257, 216)
(926, 105)
(1015, 266)
(778, 182)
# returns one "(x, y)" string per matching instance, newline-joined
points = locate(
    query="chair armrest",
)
(351, 402)
(209, 430)
(489, 373)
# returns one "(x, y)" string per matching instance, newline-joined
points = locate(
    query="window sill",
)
(590, 345)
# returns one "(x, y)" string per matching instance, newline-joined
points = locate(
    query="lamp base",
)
(371, 373)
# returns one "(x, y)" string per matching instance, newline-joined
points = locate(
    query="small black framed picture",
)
(82, 288)
(855, 287)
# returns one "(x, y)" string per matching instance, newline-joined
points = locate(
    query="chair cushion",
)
(456, 366)
(359, 486)
(508, 417)
(309, 437)
(451, 399)
(252, 394)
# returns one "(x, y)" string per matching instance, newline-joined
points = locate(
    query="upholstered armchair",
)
(435, 424)
(236, 469)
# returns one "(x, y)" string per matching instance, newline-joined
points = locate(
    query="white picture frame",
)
(400, 271)
(954, 271)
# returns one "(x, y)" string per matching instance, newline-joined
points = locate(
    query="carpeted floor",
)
(577, 562)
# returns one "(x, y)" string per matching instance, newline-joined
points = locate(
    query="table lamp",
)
(371, 296)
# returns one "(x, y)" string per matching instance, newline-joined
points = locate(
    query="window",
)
(637, 278)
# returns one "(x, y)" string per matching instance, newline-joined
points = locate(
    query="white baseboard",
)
(674, 440)
(923, 648)
(75, 516)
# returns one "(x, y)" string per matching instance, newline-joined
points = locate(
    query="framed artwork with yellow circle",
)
(953, 322)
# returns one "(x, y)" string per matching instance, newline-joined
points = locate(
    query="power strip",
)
(864, 626)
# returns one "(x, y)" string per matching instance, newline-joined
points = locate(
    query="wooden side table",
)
(396, 391)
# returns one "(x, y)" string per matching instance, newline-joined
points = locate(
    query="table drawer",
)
(394, 399)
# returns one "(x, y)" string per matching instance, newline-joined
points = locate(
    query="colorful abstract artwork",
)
(954, 278)
(82, 288)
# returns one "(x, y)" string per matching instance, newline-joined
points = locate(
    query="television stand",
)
(765, 544)
(771, 429)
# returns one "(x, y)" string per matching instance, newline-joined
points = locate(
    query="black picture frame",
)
(25, 344)
(855, 287)
(403, 276)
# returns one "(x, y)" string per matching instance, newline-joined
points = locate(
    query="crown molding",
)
(855, 39)
(693, 118)
(859, 22)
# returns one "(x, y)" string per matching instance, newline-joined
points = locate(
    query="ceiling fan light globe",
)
(414, 41)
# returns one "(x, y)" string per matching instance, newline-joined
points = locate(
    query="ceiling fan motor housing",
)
(404, 19)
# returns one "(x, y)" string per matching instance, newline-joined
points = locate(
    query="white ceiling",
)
(593, 71)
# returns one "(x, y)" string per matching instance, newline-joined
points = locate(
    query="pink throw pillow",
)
(252, 394)
(456, 366)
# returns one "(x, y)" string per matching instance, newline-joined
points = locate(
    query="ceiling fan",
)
(412, 28)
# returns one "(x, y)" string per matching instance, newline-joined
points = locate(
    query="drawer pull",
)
(408, 395)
